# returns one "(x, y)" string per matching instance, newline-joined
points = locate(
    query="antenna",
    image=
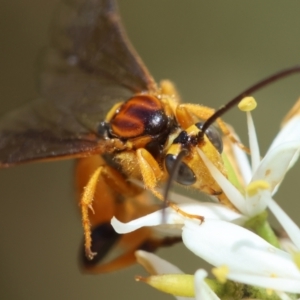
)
(257, 86)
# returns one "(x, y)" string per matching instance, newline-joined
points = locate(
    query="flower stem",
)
(260, 225)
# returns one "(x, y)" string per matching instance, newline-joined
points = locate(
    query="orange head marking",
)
(140, 115)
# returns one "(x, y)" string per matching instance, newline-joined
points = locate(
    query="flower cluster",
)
(250, 262)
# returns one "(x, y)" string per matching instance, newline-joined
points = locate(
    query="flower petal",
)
(153, 219)
(202, 290)
(172, 217)
(289, 133)
(222, 243)
(154, 264)
(281, 284)
(276, 163)
(283, 296)
(229, 189)
(286, 222)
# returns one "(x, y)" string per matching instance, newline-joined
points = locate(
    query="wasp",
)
(100, 105)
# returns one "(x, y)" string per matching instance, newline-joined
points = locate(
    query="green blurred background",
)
(212, 50)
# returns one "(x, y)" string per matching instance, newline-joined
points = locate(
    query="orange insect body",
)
(147, 127)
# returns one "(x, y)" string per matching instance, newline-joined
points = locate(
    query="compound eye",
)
(185, 175)
(213, 135)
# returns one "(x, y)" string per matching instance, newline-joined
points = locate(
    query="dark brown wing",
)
(89, 66)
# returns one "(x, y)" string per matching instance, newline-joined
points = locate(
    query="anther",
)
(247, 104)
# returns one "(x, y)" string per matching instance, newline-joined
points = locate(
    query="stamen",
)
(269, 292)
(296, 259)
(254, 147)
(254, 187)
(221, 273)
(247, 104)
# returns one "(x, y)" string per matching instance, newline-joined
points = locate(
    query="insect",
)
(101, 106)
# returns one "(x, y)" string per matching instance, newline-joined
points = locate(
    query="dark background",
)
(212, 50)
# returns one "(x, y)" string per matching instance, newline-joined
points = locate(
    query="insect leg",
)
(150, 170)
(184, 118)
(184, 214)
(151, 174)
(116, 182)
(86, 204)
(167, 88)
